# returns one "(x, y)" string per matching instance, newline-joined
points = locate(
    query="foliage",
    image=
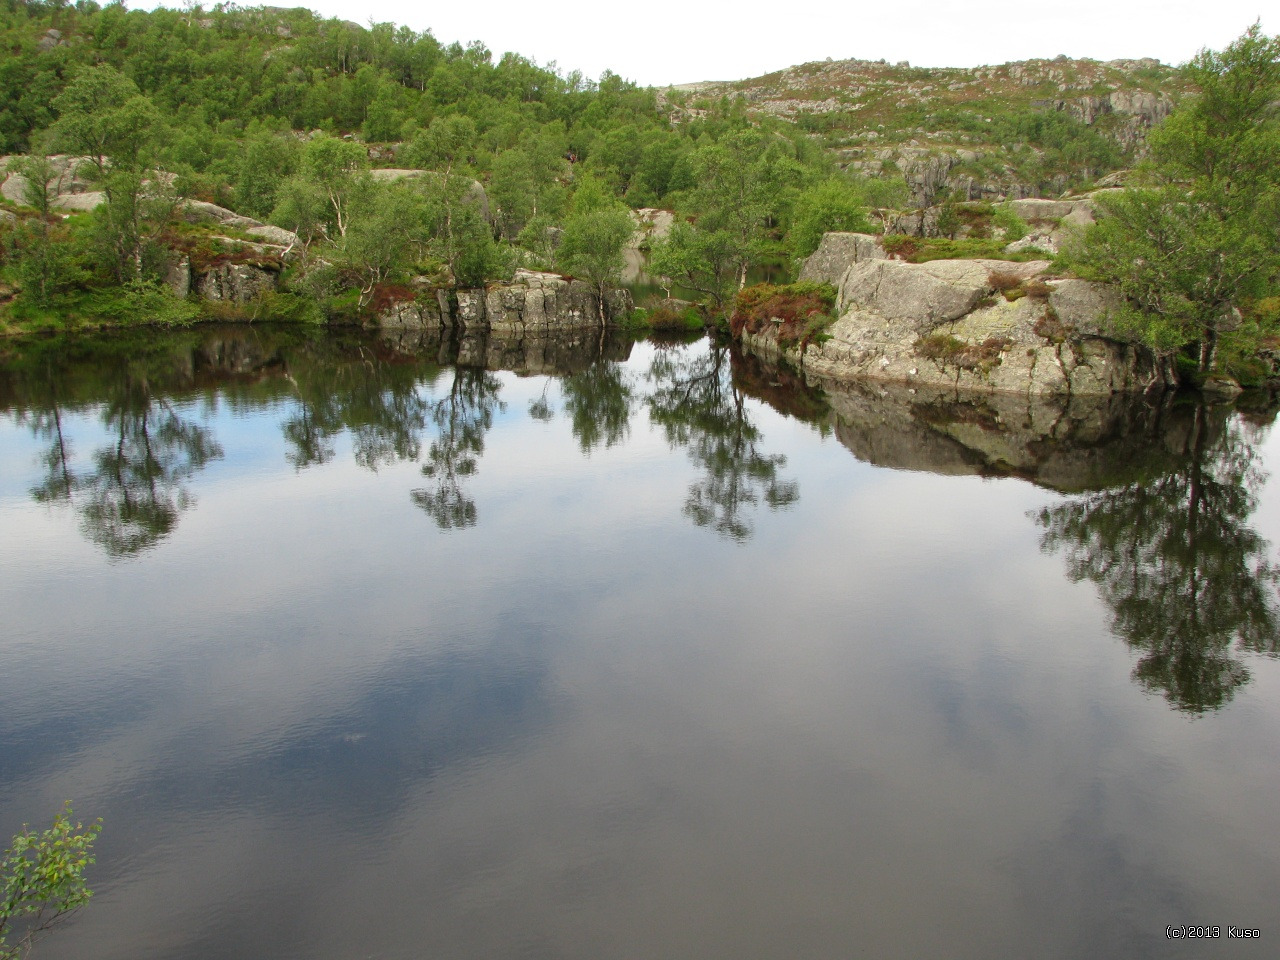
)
(925, 249)
(143, 302)
(43, 881)
(949, 351)
(592, 244)
(1198, 240)
(835, 204)
(1012, 225)
(669, 316)
(798, 312)
(702, 260)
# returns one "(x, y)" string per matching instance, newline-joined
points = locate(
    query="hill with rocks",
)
(1029, 128)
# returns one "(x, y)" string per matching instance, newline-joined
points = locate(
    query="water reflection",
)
(377, 402)
(132, 491)
(1061, 443)
(599, 401)
(700, 407)
(462, 418)
(1187, 578)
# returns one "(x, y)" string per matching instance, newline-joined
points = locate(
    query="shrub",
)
(1014, 227)
(670, 317)
(949, 351)
(801, 311)
(1052, 327)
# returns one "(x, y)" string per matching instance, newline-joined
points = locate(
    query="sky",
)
(660, 42)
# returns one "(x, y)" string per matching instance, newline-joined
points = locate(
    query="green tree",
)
(704, 261)
(834, 204)
(266, 160)
(335, 167)
(43, 260)
(103, 117)
(1199, 239)
(592, 244)
(377, 239)
(42, 881)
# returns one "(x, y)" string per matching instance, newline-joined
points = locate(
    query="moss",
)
(949, 351)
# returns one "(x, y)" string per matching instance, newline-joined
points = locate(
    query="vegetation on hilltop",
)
(282, 115)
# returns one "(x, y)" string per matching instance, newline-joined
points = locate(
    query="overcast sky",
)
(661, 42)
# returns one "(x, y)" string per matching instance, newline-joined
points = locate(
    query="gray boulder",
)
(949, 324)
(235, 283)
(537, 303)
(837, 253)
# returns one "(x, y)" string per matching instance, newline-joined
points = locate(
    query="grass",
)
(926, 249)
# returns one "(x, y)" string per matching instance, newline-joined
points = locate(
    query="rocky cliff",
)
(973, 325)
(532, 304)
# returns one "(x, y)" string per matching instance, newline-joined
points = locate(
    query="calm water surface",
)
(361, 653)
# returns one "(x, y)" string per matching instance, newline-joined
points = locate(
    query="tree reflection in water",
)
(378, 402)
(699, 407)
(462, 418)
(599, 401)
(134, 493)
(1187, 578)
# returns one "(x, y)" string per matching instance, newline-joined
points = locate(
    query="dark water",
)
(359, 653)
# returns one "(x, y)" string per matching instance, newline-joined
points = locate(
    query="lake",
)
(364, 647)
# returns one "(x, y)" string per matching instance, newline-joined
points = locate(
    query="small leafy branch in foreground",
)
(42, 881)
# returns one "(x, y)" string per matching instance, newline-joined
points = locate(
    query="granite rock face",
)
(973, 325)
(233, 283)
(531, 304)
(837, 253)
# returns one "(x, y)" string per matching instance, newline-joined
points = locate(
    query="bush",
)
(666, 317)
(1014, 227)
(801, 311)
(142, 302)
(949, 351)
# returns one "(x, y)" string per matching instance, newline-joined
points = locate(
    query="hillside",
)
(1033, 127)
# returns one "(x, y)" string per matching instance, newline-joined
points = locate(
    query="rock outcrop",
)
(837, 253)
(531, 304)
(73, 193)
(232, 283)
(974, 325)
(1051, 222)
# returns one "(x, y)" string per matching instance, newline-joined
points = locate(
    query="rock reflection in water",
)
(1065, 444)
(1161, 495)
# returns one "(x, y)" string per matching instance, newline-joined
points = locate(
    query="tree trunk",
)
(1208, 350)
